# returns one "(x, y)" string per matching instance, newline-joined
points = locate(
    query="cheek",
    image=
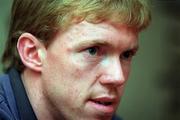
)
(126, 73)
(121, 91)
(56, 63)
(80, 68)
(77, 73)
(64, 75)
(67, 75)
(126, 70)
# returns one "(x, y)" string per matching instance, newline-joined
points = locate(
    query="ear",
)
(28, 47)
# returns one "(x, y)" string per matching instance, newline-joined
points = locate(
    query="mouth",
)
(102, 103)
(105, 105)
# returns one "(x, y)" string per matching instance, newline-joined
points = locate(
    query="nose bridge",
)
(115, 70)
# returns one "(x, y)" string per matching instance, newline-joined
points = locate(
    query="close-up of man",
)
(69, 59)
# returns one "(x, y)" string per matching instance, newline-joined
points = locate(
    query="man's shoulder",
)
(4, 79)
(4, 84)
(7, 102)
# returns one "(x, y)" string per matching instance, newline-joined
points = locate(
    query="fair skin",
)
(82, 73)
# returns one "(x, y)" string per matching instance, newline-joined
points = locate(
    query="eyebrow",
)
(134, 48)
(86, 43)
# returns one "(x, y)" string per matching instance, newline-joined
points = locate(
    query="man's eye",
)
(127, 55)
(93, 54)
(92, 50)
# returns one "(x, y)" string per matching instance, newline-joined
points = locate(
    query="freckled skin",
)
(70, 77)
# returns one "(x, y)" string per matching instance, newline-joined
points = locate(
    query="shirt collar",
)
(23, 104)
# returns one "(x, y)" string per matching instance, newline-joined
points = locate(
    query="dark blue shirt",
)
(14, 103)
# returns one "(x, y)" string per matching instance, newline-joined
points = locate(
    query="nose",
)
(113, 73)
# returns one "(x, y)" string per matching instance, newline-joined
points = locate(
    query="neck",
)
(34, 89)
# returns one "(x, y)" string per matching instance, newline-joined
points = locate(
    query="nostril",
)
(111, 80)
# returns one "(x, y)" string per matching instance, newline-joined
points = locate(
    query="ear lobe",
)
(28, 46)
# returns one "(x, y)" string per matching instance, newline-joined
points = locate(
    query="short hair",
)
(43, 18)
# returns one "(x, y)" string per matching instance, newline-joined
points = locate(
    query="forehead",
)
(105, 32)
(97, 30)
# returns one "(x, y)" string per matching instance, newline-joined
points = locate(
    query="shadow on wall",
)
(171, 76)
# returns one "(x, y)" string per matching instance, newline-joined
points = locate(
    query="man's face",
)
(86, 68)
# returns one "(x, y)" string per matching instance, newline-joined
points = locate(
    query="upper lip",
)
(105, 99)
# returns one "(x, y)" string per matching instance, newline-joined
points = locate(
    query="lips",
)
(105, 105)
(106, 101)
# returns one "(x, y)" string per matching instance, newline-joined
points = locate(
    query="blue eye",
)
(92, 50)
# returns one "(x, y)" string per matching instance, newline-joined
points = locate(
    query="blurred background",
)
(153, 89)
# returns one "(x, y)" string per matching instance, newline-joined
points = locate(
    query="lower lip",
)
(108, 110)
